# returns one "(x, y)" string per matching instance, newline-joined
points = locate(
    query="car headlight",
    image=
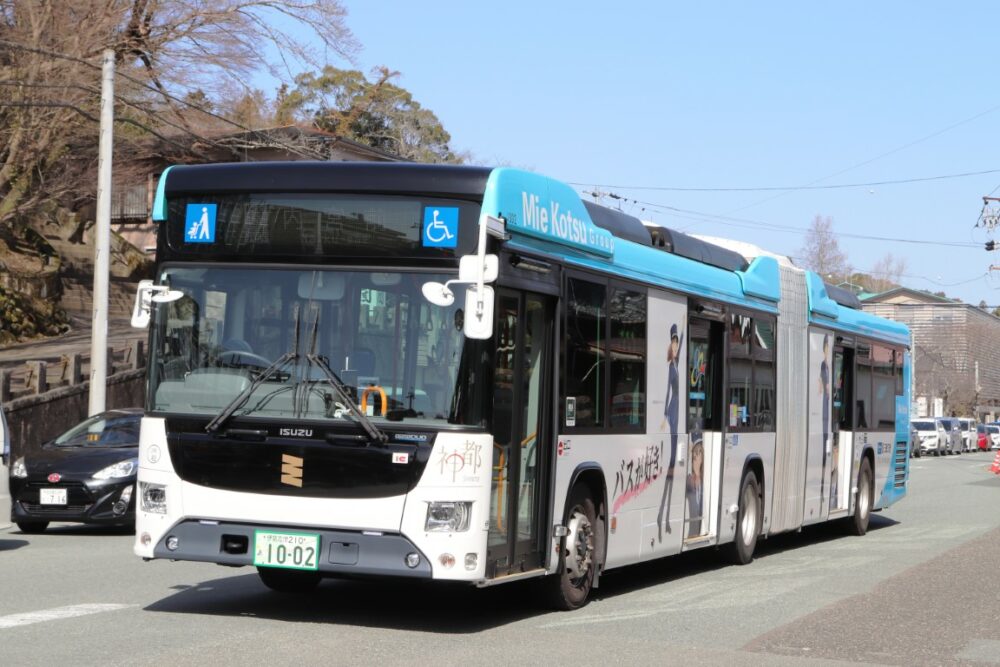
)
(19, 470)
(118, 470)
(153, 498)
(448, 516)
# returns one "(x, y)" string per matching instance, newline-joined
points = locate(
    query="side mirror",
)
(145, 295)
(478, 313)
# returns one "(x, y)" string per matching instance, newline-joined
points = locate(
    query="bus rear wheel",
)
(569, 588)
(288, 581)
(858, 524)
(748, 520)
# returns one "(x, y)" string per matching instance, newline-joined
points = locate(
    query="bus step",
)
(697, 540)
(511, 577)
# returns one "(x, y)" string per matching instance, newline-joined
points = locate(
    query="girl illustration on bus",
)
(670, 411)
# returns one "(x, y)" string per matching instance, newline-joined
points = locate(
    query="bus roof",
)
(547, 216)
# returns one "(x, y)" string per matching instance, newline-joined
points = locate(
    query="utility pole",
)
(102, 241)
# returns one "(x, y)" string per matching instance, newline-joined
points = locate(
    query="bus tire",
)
(748, 520)
(569, 588)
(32, 527)
(858, 523)
(288, 581)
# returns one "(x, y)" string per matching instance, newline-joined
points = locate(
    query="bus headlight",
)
(448, 516)
(19, 470)
(153, 497)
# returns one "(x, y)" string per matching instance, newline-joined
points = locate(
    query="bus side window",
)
(585, 347)
(628, 359)
(863, 387)
(740, 372)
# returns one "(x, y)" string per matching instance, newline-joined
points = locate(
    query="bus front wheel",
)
(288, 581)
(570, 586)
(748, 520)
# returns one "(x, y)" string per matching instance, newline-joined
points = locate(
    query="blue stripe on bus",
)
(546, 209)
(826, 312)
(652, 266)
(160, 201)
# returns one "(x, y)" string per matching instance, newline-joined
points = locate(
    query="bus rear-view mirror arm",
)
(474, 271)
(145, 296)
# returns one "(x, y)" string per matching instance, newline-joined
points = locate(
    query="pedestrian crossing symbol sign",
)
(199, 223)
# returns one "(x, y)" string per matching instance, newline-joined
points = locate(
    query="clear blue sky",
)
(728, 94)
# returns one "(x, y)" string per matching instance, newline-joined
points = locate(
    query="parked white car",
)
(993, 431)
(930, 434)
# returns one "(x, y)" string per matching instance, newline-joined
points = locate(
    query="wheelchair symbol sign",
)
(440, 227)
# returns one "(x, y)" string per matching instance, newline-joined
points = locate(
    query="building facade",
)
(956, 351)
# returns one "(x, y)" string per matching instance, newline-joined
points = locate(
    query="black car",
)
(86, 475)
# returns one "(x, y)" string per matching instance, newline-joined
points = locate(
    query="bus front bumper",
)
(343, 553)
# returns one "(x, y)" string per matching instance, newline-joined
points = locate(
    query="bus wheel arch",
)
(582, 550)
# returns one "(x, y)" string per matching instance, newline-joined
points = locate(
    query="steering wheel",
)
(239, 358)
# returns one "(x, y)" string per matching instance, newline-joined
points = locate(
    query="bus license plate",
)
(294, 551)
(52, 497)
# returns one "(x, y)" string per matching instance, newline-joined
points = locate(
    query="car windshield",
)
(400, 357)
(993, 429)
(923, 426)
(103, 430)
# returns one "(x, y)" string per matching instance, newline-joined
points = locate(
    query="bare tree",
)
(886, 273)
(821, 252)
(50, 76)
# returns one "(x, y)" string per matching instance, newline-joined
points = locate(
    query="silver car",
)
(953, 437)
(969, 435)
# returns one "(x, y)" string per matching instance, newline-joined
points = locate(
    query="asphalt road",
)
(922, 588)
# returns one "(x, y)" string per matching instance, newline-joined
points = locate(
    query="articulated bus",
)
(470, 374)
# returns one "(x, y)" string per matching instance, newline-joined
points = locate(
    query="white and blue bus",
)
(469, 374)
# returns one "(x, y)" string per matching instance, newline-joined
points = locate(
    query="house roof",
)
(905, 295)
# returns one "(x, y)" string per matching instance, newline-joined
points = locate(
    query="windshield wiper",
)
(239, 401)
(244, 396)
(373, 432)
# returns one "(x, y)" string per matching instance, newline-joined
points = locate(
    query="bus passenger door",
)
(704, 462)
(521, 441)
(842, 455)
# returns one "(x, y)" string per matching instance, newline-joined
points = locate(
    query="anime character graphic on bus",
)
(670, 413)
(824, 390)
(695, 486)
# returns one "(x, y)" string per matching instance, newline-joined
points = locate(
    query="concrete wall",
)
(34, 420)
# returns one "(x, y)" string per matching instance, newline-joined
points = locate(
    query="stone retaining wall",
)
(36, 419)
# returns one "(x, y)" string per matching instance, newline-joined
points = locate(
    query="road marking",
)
(56, 613)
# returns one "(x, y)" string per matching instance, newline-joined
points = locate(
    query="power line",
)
(790, 188)
(878, 157)
(770, 226)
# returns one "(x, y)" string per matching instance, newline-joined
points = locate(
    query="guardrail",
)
(39, 376)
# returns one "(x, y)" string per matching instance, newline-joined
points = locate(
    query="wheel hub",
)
(579, 545)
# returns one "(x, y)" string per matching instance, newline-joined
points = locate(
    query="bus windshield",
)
(400, 357)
